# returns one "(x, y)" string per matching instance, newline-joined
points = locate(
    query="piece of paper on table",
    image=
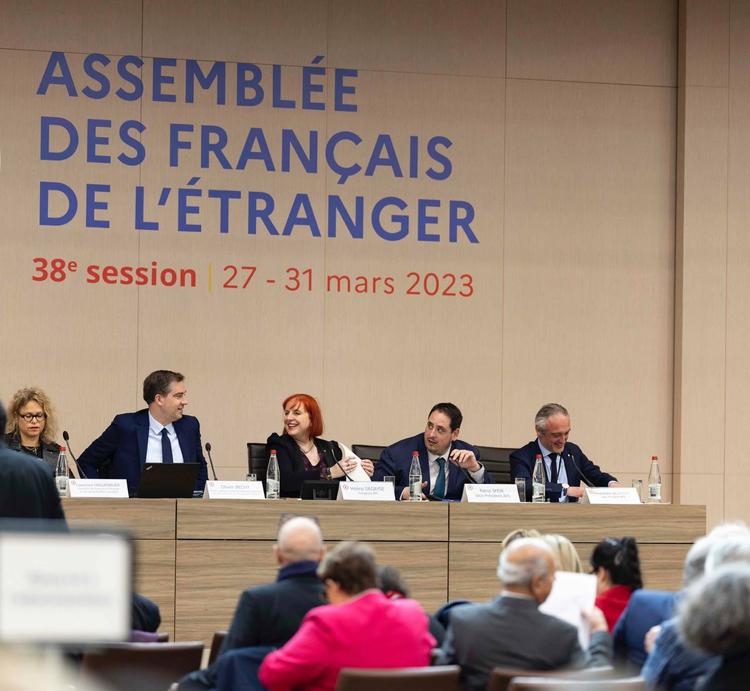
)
(358, 474)
(572, 593)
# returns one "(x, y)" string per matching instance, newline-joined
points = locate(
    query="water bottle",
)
(61, 473)
(273, 478)
(537, 481)
(415, 478)
(654, 482)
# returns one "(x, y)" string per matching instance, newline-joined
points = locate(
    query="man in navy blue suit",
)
(447, 464)
(564, 462)
(161, 433)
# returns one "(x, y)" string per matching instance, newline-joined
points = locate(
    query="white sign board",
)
(102, 489)
(366, 491)
(490, 494)
(241, 489)
(612, 495)
(66, 587)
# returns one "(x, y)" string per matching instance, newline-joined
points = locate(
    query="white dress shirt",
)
(153, 450)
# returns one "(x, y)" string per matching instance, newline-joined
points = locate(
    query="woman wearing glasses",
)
(32, 425)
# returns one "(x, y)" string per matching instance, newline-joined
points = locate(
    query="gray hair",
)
(515, 570)
(715, 614)
(546, 412)
(695, 561)
(300, 539)
(734, 548)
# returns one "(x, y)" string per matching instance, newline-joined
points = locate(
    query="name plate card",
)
(366, 491)
(490, 494)
(98, 489)
(241, 489)
(612, 495)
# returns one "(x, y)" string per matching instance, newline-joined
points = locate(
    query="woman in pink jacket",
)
(360, 628)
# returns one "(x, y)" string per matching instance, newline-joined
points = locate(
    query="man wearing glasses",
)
(565, 465)
(161, 433)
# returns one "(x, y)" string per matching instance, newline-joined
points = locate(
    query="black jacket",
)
(27, 487)
(292, 461)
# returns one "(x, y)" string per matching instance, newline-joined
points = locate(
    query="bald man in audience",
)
(269, 615)
(510, 631)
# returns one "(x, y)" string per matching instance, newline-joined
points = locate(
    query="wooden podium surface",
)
(194, 557)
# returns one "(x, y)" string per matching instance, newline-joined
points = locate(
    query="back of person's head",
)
(727, 550)
(517, 534)
(695, 561)
(524, 559)
(299, 539)
(566, 555)
(352, 566)
(391, 582)
(715, 614)
(619, 557)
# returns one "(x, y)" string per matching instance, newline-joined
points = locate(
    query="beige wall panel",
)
(704, 489)
(738, 259)
(243, 350)
(631, 42)
(441, 37)
(735, 496)
(704, 264)
(85, 26)
(739, 44)
(66, 335)
(706, 48)
(289, 32)
(415, 350)
(589, 243)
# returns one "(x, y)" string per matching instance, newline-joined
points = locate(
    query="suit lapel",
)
(573, 477)
(141, 427)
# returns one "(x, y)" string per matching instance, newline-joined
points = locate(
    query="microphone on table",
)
(66, 437)
(580, 472)
(330, 458)
(211, 460)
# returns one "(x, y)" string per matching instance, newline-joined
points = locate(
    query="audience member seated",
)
(510, 631)
(671, 665)
(618, 571)
(394, 587)
(715, 617)
(27, 488)
(269, 615)
(32, 425)
(145, 614)
(360, 628)
(566, 555)
(302, 454)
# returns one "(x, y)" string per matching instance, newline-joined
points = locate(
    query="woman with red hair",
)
(302, 454)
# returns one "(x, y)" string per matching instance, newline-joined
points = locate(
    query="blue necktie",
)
(553, 467)
(439, 491)
(166, 447)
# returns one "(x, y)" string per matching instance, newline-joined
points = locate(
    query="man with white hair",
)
(269, 615)
(670, 664)
(510, 631)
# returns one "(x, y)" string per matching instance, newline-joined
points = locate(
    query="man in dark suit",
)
(27, 488)
(269, 615)
(564, 462)
(447, 464)
(510, 631)
(161, 433)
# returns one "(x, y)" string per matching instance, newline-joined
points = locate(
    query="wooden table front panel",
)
(366, 520)
(146, 519)
(155, 577)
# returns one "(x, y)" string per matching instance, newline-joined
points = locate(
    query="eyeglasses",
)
(34, 416)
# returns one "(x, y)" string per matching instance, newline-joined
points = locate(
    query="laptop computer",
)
(168, 480)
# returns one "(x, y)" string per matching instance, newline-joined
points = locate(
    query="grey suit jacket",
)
(512, 632)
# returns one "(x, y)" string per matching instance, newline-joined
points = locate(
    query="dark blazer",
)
(512, 632)
(396, 460)
(120, 452)
(522, 465)
(292, 461)
(646, 608)
(50, 450)
(27, 488)
(267, 615)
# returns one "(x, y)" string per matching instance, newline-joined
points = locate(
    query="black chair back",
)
(443, 678)
(496, 460)
(257, 461)
(369, 451)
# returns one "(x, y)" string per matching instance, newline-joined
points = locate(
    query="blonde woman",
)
(32, 425)
(566, 556)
